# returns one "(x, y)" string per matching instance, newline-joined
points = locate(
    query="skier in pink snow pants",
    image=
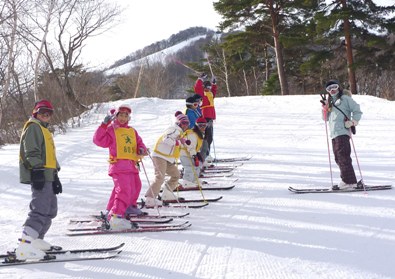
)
(125, 148)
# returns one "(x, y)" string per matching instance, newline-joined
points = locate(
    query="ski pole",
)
(152, 192)
(194, 173)
(327, 143)
(356, 158)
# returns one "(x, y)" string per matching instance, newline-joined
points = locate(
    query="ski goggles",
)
(332, 87)
(201, 125)
(45, 112)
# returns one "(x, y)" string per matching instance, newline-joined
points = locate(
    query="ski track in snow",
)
(259, 229)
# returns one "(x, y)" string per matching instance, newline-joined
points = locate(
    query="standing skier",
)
(38, 167)
(342, 113)
(164, 156)
(208, 91)
(126, 148)
(190, 157)
(192, 110)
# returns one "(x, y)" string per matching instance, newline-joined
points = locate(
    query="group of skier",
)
(188, 139)
(39, 166)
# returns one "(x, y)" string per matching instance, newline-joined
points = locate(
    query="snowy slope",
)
(259, 229)
(155, 57)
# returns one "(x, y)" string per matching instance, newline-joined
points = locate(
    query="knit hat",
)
(124, 108)
(197, 97)
(330, 82)
(190, 100)
(42, 105)
(181, 118)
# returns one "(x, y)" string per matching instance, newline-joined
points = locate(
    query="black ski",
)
(329, 190)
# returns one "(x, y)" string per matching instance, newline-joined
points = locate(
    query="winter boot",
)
(118, 223)
(344, 186)
(188, 184)
(26, 250)
(133, 210)
(152, 202)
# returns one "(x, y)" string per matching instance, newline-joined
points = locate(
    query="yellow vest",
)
(199, 140)
(210, 97)
(176, 150)
(126, 143)
(50, 153)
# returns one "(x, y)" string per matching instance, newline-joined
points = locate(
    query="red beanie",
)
(201, 120)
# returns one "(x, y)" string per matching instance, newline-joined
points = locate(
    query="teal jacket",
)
(32, 153)
(336, 119)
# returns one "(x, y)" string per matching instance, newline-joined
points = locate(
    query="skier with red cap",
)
(38, 167)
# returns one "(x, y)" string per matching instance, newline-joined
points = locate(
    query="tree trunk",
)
(10, 66)
(279, 54)
(350, 60)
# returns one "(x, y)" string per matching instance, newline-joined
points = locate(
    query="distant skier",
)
(342, 113)
(193, 110)
(164, 156)
(126, 148)
(208, 91)
(38, 167)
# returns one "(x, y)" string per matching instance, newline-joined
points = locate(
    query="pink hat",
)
(181, 118)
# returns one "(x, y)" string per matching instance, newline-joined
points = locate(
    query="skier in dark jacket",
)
(39, 168)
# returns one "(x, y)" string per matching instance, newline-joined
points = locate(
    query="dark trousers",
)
(342, 151)
(209, 134)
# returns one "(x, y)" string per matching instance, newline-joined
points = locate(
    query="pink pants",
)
(126, 191)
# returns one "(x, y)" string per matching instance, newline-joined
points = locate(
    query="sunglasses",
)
(184, 123)
(332, 87)
(201, 125)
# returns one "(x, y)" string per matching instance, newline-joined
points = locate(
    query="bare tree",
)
(76, 21)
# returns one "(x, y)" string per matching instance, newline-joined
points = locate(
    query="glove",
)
(350, 123)
(109, 117)
(37, 178)
(199, 156)
(56, 185)
(142, 151)
(214, 81)
(185, 141)
(196, 160)
(203, 76)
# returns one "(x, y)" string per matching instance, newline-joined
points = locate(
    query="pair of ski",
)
(208, 186)
(234, 159)
(142, 219)
(330, 190)
(9, 259)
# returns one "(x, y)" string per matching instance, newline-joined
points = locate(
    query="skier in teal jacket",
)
(342, 114)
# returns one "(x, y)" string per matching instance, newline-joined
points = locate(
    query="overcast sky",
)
(145, 22)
